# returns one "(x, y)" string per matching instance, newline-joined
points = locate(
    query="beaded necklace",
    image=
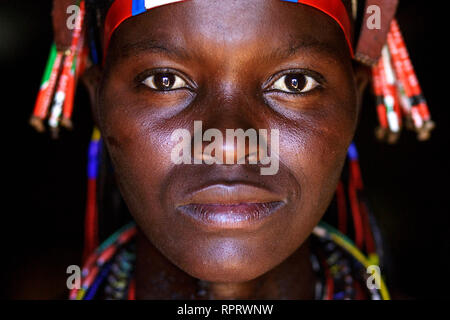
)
(339, 266)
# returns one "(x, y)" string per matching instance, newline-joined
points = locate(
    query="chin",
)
(224, 262)
(220, 273)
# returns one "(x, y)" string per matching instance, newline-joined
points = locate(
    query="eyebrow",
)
(308, 44)
(151, 45)
(293, 47)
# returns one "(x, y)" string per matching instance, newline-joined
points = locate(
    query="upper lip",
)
(231, 194)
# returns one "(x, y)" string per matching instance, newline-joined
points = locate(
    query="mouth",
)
(235, 206)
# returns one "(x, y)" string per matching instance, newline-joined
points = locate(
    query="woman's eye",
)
(295, 83)
(165, 82)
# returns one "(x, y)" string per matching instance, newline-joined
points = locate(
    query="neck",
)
(158, 278)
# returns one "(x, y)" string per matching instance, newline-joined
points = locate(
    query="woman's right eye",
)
(165, 82)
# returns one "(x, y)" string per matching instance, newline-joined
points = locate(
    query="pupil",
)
(295, 82)
(164, 81)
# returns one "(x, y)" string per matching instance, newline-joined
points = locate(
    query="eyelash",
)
(313, 75)
(309, 74)
(142, 77)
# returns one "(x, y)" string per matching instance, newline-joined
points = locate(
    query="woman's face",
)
(230, 64)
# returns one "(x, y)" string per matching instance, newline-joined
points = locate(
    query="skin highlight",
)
(229, 63)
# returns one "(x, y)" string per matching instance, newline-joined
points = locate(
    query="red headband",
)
(123, 9)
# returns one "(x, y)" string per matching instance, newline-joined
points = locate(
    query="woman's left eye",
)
(165, 82)
(294, 83)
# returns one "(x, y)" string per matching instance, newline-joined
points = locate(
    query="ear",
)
(91, 79)
(362, 75)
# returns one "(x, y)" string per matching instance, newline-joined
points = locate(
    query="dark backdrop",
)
(44, 180)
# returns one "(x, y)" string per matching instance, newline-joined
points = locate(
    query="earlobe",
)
(91, 79)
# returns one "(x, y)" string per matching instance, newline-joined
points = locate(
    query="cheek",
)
(314, 147)
(317, 132)
(139, 148)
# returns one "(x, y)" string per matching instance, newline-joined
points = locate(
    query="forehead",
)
(199, 26)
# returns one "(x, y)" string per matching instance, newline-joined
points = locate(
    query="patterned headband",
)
(122, 10)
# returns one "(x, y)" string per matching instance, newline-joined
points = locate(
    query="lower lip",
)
(230, 216)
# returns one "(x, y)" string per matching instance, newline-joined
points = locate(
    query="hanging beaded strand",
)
(91, 240)
(395, 80)
(410, 83)
(362, 218)
(54, 102)
(67, 79)
(78, 67)
(47, 89)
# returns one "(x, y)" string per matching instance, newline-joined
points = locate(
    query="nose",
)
(229, 146)
(228, 130)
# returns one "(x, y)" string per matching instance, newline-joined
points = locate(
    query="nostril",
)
(252, 158)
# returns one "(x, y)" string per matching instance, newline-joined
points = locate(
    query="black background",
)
(43, 185)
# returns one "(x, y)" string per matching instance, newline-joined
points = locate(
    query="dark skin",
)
(229, 56)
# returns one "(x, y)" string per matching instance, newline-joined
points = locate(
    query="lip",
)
(231, 206)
